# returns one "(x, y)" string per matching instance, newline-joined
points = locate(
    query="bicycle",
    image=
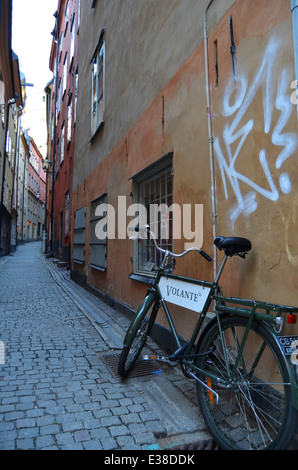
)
(245, 377)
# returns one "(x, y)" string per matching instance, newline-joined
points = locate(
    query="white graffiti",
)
(294, 95)
(237, 100)
(294, 355)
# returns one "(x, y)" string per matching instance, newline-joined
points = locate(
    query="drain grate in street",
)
(140, 368)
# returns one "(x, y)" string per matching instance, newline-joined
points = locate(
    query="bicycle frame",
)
(270, 315)
(248, 308)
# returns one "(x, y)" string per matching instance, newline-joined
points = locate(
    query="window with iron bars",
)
(154, 191)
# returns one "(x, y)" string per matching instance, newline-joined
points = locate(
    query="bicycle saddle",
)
(233, 245)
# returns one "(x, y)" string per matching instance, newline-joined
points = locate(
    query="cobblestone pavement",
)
(59, 388)
(56, 389)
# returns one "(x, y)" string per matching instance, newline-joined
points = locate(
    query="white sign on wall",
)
(183, 293)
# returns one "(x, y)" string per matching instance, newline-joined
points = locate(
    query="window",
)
(79, 14)
(72, 41)
(8, 146)
(66, 15)
(66, 220)
(61, 45)
(98, 247)
(153, 189)
(59, 96)
(69, 119)
(76, 96)
(62, 143)
(52, 130)
(79, 236)
(55, 70)
(98, 78)
(57, 161)
(64, 78)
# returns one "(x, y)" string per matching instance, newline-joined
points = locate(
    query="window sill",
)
(78, 262)
(145, 279)
(98, 268)
(93, 137)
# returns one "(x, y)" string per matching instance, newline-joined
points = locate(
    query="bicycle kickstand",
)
(205, 385)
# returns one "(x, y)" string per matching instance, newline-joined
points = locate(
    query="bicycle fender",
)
(207, 327)
(141, 312)
(291, 368)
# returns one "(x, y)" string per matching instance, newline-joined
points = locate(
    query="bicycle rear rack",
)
(263, 311)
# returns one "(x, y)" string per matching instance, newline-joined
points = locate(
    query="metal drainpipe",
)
(294, 8)
(210, 136)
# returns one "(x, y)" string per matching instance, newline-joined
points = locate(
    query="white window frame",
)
(98, 87)
(59, 96)
(72, 42)
(69, 120)
(64, 78)
(58, 156)
(66, 14)
(76, 96)
(62, 142)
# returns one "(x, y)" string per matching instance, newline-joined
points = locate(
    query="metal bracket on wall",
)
(233, 49)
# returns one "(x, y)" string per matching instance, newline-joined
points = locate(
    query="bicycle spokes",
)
(251, 384)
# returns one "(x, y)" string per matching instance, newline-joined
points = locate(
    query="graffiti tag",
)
(237, 100)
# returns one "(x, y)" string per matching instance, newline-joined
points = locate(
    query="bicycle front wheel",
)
(138, 333)
(255, 410)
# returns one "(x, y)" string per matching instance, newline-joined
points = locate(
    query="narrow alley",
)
(116, 118)
(58, 388)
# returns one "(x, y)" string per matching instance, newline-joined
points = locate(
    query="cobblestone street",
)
(56, 391)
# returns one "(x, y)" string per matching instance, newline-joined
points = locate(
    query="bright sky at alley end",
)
(32, 24)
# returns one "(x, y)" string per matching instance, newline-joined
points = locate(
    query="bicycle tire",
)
(257, 412)
(140, 328)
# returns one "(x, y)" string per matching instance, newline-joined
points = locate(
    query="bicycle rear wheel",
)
(138, 332)
(256, 412)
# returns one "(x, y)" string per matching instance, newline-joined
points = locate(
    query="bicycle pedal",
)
(148, 357)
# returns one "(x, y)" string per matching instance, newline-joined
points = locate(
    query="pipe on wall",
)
(211, 140)
(294, 8)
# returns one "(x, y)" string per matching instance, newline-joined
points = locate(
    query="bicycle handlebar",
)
(170, 253)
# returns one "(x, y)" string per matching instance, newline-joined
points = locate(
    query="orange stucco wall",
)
(255, 143)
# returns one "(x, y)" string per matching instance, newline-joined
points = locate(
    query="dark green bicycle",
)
(246, 372)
